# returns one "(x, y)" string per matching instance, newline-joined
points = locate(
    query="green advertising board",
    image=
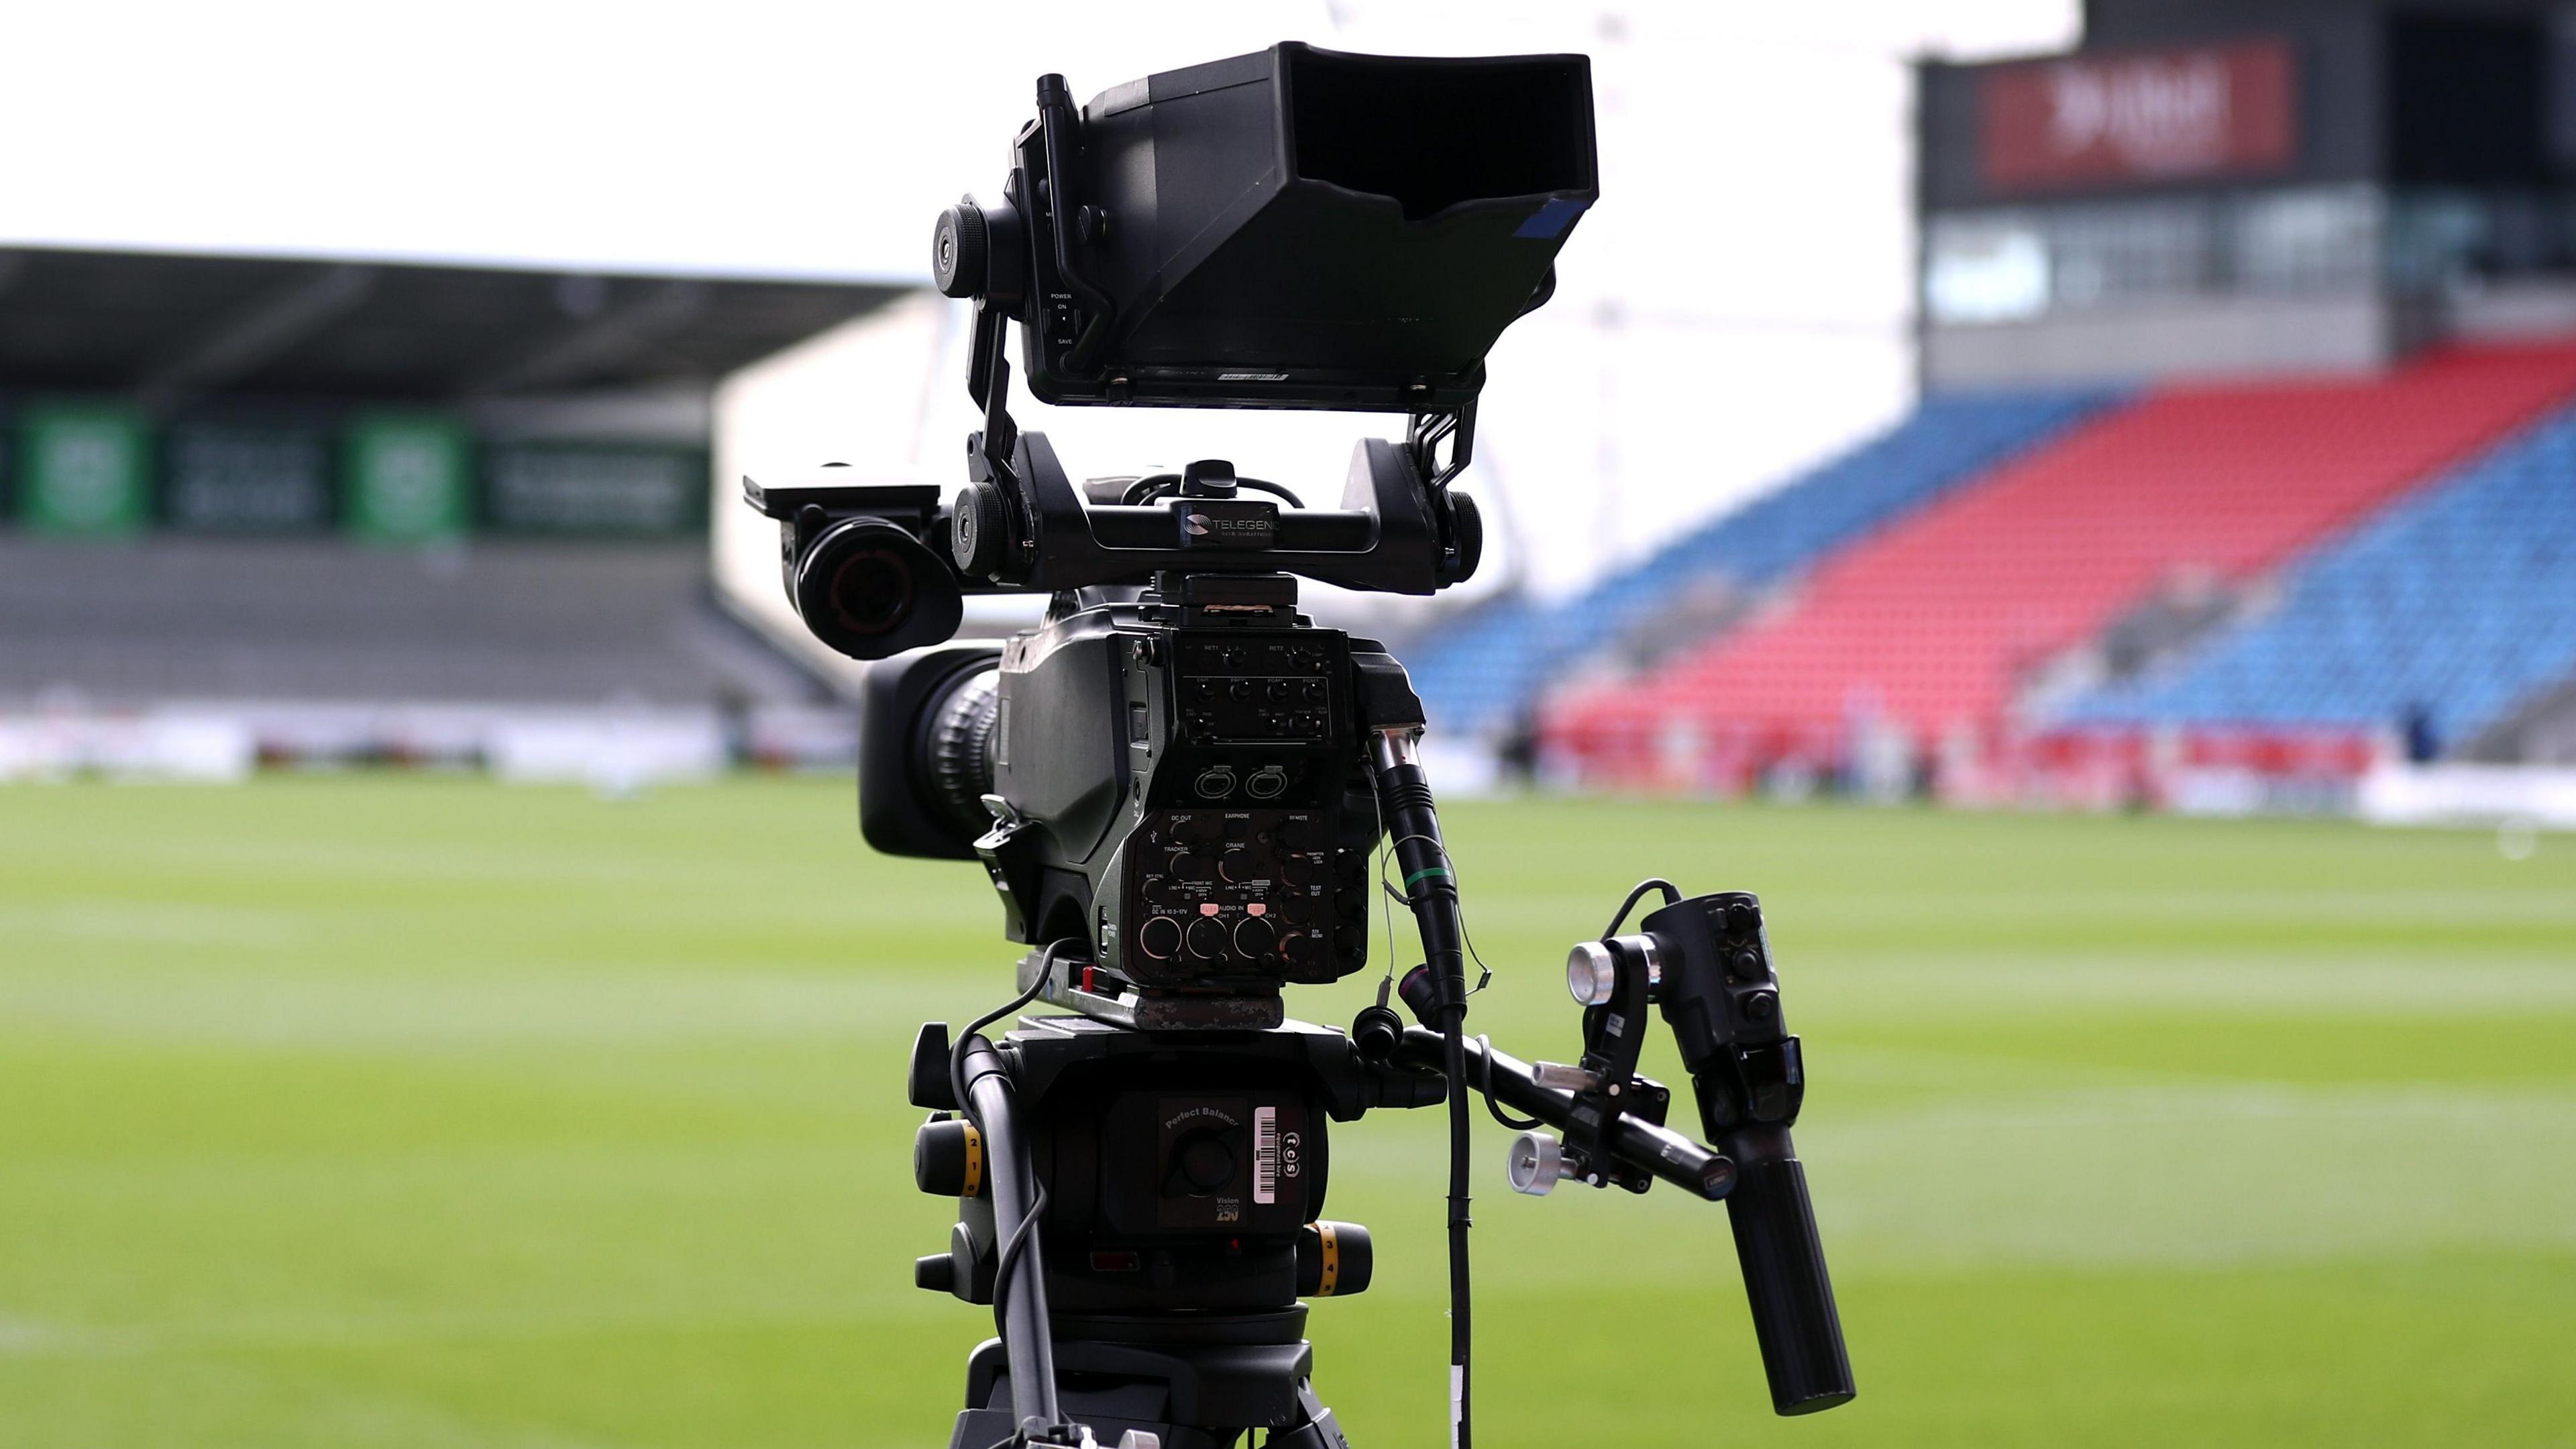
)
(245, 478)
(84, 469)
(595, 490)
(406, 477)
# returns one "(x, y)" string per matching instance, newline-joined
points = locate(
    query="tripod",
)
(1143, 1207)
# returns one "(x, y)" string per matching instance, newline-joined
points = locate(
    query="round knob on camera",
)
(1466, 540)
(978, 533)
(959, 245)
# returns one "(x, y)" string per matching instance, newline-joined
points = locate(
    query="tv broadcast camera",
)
(1176, 782)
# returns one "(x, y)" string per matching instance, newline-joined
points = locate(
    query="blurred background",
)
(2074, 502)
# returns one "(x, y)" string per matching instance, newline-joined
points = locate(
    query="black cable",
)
(1485, 1084)
(1484, 977)
(1386, 914)
(1010, 1256)
(1671, 892)
(1453, 1061)
(1263, 485)
(1010, 1259)
(1158, 485)
(957, 1048)
(1484, 973)
(1466, 938)
(1405, 794)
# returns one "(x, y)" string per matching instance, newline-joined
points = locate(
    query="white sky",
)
(806, 139)
(1736, 306)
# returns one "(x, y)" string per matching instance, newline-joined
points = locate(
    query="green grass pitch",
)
(426, 1112)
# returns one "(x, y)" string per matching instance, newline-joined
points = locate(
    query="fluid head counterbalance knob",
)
(948, 1158)
(1334, 1260)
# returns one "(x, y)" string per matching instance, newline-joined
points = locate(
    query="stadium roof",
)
(171, 328)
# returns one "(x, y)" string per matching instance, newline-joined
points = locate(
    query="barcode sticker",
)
(1265, 1154)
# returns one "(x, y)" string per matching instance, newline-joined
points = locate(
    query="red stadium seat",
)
(1936, 623)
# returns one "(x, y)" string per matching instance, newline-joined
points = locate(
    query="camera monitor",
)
(1291, 228)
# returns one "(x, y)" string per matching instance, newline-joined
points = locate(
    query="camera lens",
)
(956, 755)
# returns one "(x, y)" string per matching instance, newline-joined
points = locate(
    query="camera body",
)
(1174, 779)
(1170, 769)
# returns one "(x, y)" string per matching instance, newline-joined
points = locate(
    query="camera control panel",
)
(1242, 891)
(1257, 690)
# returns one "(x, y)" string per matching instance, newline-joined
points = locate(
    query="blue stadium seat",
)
(1480, 671)
(2459, 599)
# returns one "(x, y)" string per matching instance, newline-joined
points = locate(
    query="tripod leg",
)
(1320, 1431)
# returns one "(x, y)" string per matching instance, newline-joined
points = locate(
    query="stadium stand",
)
(358, 510)
(1937, 624)
(2458, 603)
(168, 329)
(1481, 672)
(165, 617)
